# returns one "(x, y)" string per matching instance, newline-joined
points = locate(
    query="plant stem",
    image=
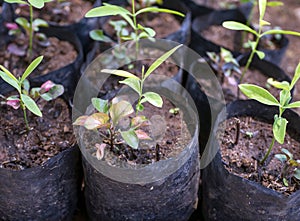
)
(25, 115)
(135, 28)
(268, 152)
(30, 31)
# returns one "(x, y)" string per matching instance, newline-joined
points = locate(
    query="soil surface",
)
(243, 158)
(57, 55)
(169, 136)
(48, 136)
(60, 12)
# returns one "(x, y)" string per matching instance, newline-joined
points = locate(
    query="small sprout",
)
(249, 134)
(174, 111)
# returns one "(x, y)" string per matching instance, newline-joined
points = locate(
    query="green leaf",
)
(80, 121)
(160, 60)
(40, 23)
(22, 22)
(26, 85)
(31, 105)
(9, 78)
(120, 73)
(258, 93)
(56, 91)
(293, 105)
(37, 3)
(100, 105)
(285, 182)
(282, 32)
(262, 5)
(260, 54)
(296, 76)
(237, 26)
(150, 32)
(31, 67)
(281, 157)
(96, 120)
(275, 3)
(287, 153)
(155, 9)
(133, 83)
(279, 129)
(284, 85)
(153, 98)
(138, 121)
(139, 107)
(16, 1)
(107, 10)
(98, 35)
(264, 23)
(119, 110)
(297, 174)
(130, 138)
(285, 97)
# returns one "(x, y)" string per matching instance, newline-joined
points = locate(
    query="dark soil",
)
(57, 55)
(60, 12)
(47, 137)
(243, 158)
(168, 132)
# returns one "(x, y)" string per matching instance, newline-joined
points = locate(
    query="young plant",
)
(130, 18)
(224, 64)
(291, 166)
(109, 115)
(32, 25)
(25, 98)
(265, 97)
(232, 25)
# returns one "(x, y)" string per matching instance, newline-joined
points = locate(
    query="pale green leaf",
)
(155, 9)
(237, 26)
(297, 174)
(153, 98)
(284, 85)
(293, 105)
(281, 157)
(37, 3)
(22, 22)
(96, 120)
(160, 60)
(119, 110)
(282, 32)
(16, 1)
(56, 91)
(98, 35)
(9, 78)
(264, 23)
(142, 135)
(262, 5)
(133, 83)
(287, 153)
(279, 129)
(258, 93)
(120, 73)
(296, 76)
(40, 23)
(80, 121)
(130, 138)
(31, 105)
(31, 67)
(150, 32)
(260, 54)
(275, 3)
(285, 97)
(106, 10)
(100, 105)
(285, 182)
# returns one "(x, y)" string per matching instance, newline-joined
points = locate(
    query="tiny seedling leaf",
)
(279, 129)
(133, 83)
(258, 93)
(281, 157)
(262, 5)
(285, 182)
(284, 85)
(285, 97)
(98, 35)
(232, 25)
(264, 23)
(160, 60)
(155, 9)
(56, 91)
(40, 23)
(130, 138)
(31, 67)
(22, 22)
(138, 121)
(282, 32)
(296, 76)
(142, 135)
(275, 3)
(120, 73)
(287, 153)
(106, 10)
(260, 54)
(297, 174)
(293, 105)
(100, 105)
(153, 98)
(31, 105)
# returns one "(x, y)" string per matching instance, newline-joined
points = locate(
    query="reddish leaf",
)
(142, 135)
(80, 121)
(100, 150)
(96, 120)
(47, 86)
(13, 102)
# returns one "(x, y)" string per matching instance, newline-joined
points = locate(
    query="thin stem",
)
(30, 31)
(268, 152)
(25, 115)
(135, 28)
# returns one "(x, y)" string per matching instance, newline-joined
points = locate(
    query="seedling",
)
(139, 31)
(32, 25)
(291, 166)
(232, 25)
(25, 98)
(174, 111)
(224, 64)
(263, 96)
(110, 114)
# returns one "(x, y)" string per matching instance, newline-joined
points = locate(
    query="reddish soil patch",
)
(48, 136)
(243, 158)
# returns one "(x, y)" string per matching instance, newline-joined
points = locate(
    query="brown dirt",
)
(61, 12)
(170, 141)
(243, 158)
(47, 137)
(57, 55)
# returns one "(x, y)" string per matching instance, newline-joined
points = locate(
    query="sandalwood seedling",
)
(263, 96)
(25, 99)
